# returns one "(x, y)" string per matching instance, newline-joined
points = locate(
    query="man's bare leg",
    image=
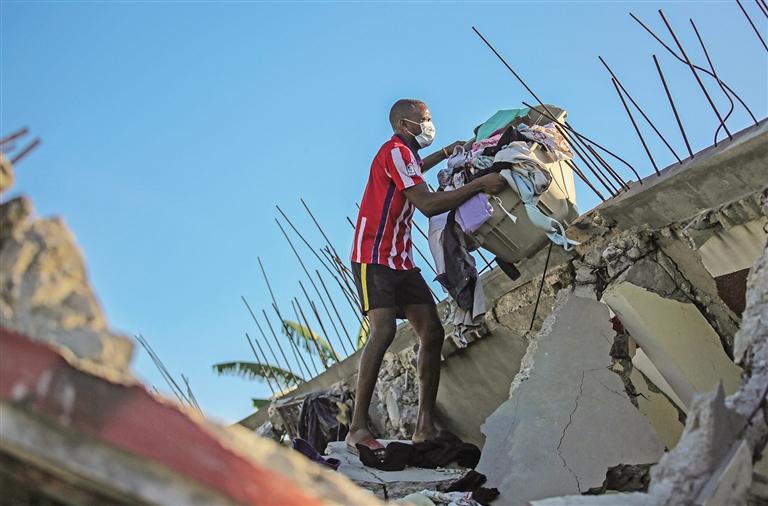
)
(381, 336)
(427, 324)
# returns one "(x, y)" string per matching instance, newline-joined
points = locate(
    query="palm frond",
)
(305, 336)
(256, 370)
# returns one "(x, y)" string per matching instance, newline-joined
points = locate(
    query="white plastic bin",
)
(514, 241)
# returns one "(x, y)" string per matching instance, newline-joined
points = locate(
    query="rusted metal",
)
(695, 74)
(672, 104)
(752, 24)
(25, 151)
(714, 72)
(634, 124)
(639, 109)
(708, 72)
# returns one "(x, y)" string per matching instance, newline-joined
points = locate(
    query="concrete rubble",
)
(74, 419)
(557, 433)
(45, 290)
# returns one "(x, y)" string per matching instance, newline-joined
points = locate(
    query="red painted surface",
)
(36, 377)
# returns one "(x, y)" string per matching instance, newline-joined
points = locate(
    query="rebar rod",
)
(313, 307)
(607, 167)
(757, 32)
(639, 109)
(719, 82)
(260, 361)
(575, 147)
(353, 303)
(586, 181)
(311, 334)
(702, 69)
(14, 135)
(266, 360)
(335, 310)
(695, 74)
(763, 7)
(672, 104)
(271, 293)
(24, 152)
(541, 287)
(277, 341)
(272, 351)
(320, 322)
(164, 372)
(580, 147)
(301, 262)
(306, 344)
(345, 277)
(584, 138)
(637, 129)
(592, 164)
(317, 224)
(301, 236)
(551, 116)
(296, 352)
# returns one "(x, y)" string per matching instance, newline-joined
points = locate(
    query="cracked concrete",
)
(568, 418)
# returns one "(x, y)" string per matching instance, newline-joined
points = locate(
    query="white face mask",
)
(427, 134)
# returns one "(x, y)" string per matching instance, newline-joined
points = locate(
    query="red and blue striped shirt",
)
(383, 230)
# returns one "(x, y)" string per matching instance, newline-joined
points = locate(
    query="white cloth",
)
(463, 321)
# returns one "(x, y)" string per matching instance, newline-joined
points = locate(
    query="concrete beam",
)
(717, 174)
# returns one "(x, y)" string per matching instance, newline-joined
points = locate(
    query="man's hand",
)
(491, 183)
(450, 147)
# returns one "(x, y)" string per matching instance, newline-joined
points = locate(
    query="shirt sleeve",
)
(403, 168)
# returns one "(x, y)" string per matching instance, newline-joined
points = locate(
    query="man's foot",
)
(362, 437)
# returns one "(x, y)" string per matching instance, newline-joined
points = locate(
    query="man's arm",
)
(435, 203)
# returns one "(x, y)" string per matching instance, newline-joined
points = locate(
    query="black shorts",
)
(381, 287)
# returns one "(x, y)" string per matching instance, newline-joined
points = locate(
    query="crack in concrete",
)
(565, 429)
(623, 395)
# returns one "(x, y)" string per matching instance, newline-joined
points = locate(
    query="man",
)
(389, 284)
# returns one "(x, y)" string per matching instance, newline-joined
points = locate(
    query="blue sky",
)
(171, 130)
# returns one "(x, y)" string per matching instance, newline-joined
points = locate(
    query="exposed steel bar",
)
(695, 74)
(757, 32)
(669, 49)
(277, 341)
(672, 104)
(719, 82)
(637, 129)
(264, 361)
(639, 109)
(25, 151)
(14, 135)
(335, 310)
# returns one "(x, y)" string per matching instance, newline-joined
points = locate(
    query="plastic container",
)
(516, 240)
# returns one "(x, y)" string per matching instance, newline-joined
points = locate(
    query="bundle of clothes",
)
(506, 150)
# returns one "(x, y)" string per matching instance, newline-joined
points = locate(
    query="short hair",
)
(402, 109)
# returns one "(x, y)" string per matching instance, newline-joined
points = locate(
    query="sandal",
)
(368, 442)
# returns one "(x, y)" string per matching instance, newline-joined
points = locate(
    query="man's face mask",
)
(427, 134)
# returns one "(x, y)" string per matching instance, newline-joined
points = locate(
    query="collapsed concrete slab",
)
(390, 485)
(71, 437)
(568, 418)
(667, 327)
(45, 292)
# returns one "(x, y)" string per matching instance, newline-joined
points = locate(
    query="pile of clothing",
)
(504, 144)
(445, 450)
